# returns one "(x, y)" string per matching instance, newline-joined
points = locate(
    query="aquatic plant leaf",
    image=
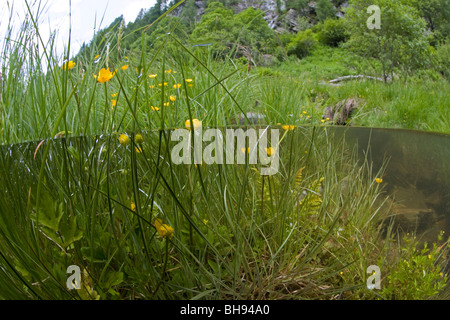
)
(50, 213)
(69, 231)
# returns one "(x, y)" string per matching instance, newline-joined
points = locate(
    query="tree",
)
(324, 10)
(437, 15)
(247, 32)
(400, 44)
(189, 14)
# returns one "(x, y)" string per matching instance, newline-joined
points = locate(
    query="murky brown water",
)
(417, 175)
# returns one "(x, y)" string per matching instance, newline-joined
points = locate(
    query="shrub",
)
(332, 32)
(302, 44)
(442, 54)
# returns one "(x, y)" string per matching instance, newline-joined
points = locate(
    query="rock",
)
(253, 118)
(413, 219)
(341, 112)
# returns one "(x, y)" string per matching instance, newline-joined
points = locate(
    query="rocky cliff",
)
(278, 16)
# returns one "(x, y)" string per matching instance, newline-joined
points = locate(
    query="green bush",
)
(332, 32)
(302, 44)
(442, 54)
(246, 33)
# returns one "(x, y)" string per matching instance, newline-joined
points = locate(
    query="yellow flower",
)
(104, 75)
(201, 164)
(270, 151)
(114, 95)
(124, 67)
(133, 206)
(96, 57)
(160, 84)
(169, 71)
(205, 221)
(123, 139)
(138, 149)
(138, 138)
(188, 80)
(322, 120)
(196, 123)
(378, 180)
(69, 65)
(172, 98)
(151, 87)
(153, 75)
(288, 127)
(164, 230)
(166, 104)
(176, 86)
(190, 85)
(304, 112)
(154, 108)
(114, 102)
(243, 150)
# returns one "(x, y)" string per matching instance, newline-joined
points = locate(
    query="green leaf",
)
(49, 213)
(69, 231)
(97, 254)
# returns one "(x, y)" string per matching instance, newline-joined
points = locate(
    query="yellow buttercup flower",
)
(138, 149)
(152, 76)
(188, 80)
(104, 75)
(155, 108)
(114, 95)
(172, 98)
(124, 139)
(166, 104)
(114, 102)
(270, 151)
(176, 86)
(133, 206)
(378, 180)
(196, 123)
(139, 138)
(243, 150)
(160, 84)
(288, 127)
(164, 230)
(169, 71)
(124, 67)
(69, 65)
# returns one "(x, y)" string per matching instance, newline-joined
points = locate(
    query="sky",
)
(86, 17)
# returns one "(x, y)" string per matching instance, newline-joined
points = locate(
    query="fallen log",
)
(354, 77)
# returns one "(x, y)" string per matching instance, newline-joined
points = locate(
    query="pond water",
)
(416, 176)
